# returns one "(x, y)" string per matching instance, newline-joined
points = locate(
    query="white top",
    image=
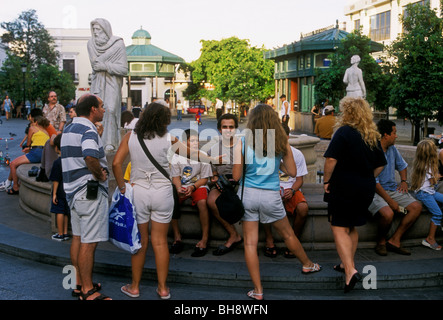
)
(142, 170)
(131, 125)
(284, 108)
(427, 186)
(302, 170)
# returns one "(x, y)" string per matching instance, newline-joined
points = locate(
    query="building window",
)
(301, 63)
(169, 68)
(308, 62)
(322, 61)
(69, 67)
(357, 24)
(381, 26)
(142, 67)
(292, 65)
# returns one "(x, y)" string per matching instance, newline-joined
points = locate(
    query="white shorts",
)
(155, 203)
(262, 205)
(90, 218)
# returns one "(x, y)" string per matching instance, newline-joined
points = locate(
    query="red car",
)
(195, 109)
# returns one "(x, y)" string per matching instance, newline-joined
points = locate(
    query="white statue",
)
(109, 63)
(354, 79)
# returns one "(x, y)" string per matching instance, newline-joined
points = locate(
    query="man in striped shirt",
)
(85, 171)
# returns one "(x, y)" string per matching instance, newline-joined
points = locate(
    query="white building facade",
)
(74, 58)
(380, 19)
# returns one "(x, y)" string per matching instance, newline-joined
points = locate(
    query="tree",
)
(28, 39)
(30, 45)
(236, 70)
(418, 64)
(329, 82)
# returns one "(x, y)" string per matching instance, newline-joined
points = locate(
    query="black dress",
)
(352, 184)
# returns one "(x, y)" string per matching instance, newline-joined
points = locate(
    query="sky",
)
(178, 26)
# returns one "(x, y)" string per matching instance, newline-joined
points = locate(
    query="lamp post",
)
(24, 84)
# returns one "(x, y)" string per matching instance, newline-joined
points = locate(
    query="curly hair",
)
(264, 118)
(356, 113)
(426, 160)
(153, 121)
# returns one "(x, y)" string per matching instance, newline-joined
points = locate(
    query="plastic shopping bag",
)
(123, 230)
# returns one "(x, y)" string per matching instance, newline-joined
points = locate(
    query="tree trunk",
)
(417, 132)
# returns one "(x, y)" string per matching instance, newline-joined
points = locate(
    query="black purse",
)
(229, 205)
(176, 212)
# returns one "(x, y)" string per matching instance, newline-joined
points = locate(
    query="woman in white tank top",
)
(153, 195)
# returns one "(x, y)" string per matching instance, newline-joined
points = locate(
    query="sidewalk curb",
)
(390, 274)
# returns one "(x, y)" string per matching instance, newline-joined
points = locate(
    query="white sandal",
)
(256, 296)
(315, 268)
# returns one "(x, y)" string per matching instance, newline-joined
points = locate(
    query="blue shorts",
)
(61, 207)
(35, 155)
(7, 108)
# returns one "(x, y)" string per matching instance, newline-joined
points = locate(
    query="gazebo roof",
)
(143, 51)
(323, 40)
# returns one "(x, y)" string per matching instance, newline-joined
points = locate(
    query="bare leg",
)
(204, 221)
(159, 240)
(250, 233)
(346, 241)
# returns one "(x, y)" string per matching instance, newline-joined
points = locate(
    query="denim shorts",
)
(35, 155)
(262, 205)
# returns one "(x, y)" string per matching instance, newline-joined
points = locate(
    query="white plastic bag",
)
(123, 230)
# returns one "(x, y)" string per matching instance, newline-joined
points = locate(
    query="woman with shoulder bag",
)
(265, 146)
(153, 193)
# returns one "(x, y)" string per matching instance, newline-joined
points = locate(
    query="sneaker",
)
(66, 237)
(7, 183)
(58, 237)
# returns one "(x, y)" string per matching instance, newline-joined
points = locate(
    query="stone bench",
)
(35, 199)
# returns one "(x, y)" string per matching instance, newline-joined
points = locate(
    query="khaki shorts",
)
(403, 200)
(89, 218)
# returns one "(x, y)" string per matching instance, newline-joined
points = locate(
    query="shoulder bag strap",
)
(151, 158)
(244, 171)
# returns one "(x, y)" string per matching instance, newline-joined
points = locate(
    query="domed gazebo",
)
(145, 60)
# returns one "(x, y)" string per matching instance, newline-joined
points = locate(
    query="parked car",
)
(195, 109)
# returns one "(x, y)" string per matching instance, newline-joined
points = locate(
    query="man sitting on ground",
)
(324, 127)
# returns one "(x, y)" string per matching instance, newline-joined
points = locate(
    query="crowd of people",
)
(359, 177)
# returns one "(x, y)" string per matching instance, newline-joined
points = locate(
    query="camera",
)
(223, 183)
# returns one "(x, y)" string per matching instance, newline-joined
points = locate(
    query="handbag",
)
(176, 212)
(123, 229)
(229, 205)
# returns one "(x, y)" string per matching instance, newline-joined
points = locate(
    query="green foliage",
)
(329, 82)
(418, 64)
(27, 38)
(31, 45)
(49, 78)
(237, 71)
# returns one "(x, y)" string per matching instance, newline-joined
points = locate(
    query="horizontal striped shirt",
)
(80, 139)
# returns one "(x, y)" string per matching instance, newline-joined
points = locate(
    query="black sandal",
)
(75, 294)
(85, 296)
(176, 247)
(271, 252)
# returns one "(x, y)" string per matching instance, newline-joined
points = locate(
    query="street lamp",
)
(24, 83)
